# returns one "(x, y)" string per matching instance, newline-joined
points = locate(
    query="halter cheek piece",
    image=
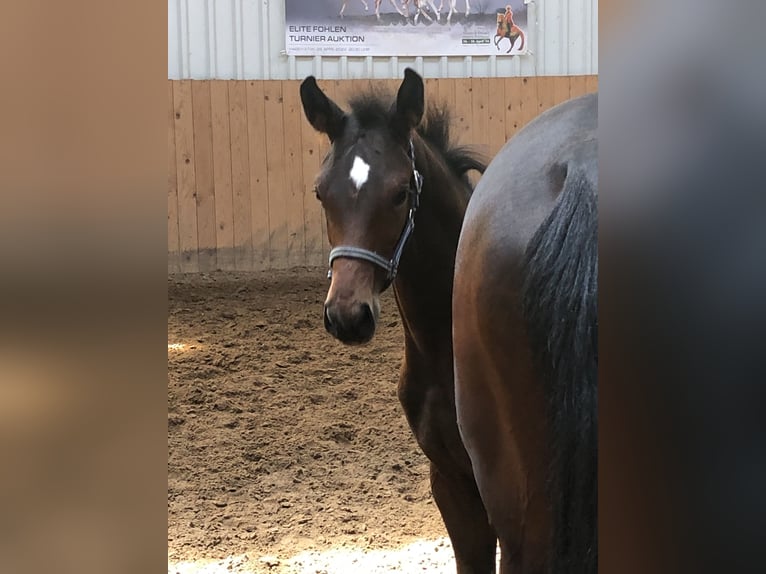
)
(391, 266)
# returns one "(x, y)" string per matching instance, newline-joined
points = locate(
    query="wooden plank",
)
(496, 116)
(344, 90)
(447, 96)
(432, 92)
(187, 188)
(432, 98)
(545, 93)
(480, 115)
(259, 185)
(528, 105)
(362, 86)
(560, 89)
(240, 175)
(203, 173)
(390, 87)
(276, 166)
(462, 117)
(592, 84)
(224, 209)
(174, 263)
(313, 216)
(578, 86)
(294, 192)
(514, 119)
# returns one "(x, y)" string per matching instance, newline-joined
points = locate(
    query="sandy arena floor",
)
(288, 452)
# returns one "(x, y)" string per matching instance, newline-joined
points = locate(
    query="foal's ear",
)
(409, 103)
(321, 111)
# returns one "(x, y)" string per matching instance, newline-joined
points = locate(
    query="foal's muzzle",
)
(355, 326)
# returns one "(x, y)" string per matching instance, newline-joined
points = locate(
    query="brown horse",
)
(525, 341)
(387, 170)
(508, 30)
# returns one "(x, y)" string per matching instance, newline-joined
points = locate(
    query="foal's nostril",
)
(327, 321)
(367, 313)
(367, 322)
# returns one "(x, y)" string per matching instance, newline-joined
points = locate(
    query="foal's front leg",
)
(432, 418)
(473, 539)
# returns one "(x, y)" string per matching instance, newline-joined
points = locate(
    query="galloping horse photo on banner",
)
(367, 7)
(406, 27)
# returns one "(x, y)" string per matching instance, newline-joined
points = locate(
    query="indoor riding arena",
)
(288, 451)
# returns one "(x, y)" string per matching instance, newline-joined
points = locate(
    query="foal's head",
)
(369, 189)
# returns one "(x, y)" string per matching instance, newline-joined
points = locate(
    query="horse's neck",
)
(424, 283)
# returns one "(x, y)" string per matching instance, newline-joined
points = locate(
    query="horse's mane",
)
(373, 109)
(435, 130)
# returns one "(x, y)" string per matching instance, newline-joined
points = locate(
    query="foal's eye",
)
(400, 197)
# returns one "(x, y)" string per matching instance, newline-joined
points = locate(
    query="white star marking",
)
(359, 172)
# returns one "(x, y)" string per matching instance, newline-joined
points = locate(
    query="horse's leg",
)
(467, 7)
(366, 7)
(421, 10)
(473, 539)
(452, 4)
(509, 474)
(397, 8)
(406, 10)
(437, 13)
(342, 9)
(500, 403)
(425, 397)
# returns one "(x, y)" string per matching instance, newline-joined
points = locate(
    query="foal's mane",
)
(373, 109)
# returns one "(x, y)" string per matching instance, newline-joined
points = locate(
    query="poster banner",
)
(405, 27)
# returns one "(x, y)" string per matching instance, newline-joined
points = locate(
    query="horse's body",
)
(525, 335)
(366, 7)
(453, 9)
(365, 186)
(420, 8)
(508, 30)
(343, 6)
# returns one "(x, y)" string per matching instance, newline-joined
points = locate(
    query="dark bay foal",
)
(394, 192)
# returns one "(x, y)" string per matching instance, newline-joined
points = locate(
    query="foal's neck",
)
(423, 285)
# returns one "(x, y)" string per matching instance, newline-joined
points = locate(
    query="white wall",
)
(244, 39)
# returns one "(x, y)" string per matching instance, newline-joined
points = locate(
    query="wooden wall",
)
(242, 160)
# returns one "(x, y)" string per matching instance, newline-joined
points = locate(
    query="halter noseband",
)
(391, 266)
